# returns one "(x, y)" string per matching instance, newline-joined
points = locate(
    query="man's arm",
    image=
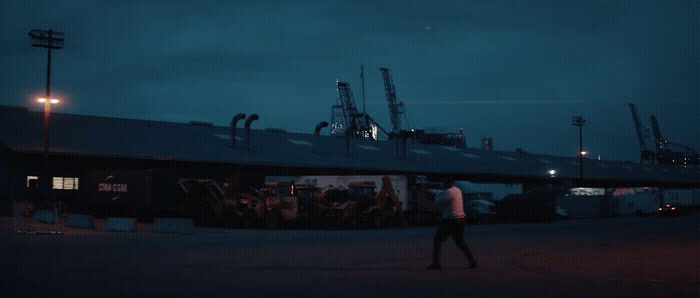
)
(440, 198)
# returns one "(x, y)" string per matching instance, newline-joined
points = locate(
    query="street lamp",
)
(47, 116)
(49, 40)
(578, 121)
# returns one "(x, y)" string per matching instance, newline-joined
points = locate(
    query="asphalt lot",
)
(633, 257)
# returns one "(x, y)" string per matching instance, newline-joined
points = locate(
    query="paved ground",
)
(641, 257)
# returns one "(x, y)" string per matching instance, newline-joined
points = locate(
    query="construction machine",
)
(202, 200)
(359, 205)
(421, 209)
(280, 204)
(332, 207)
(373, 209)
(247, 209)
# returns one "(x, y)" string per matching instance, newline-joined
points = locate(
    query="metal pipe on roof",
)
(234, 121)
(321, 125)
(393, 136)
(403, 135)
(247, 128)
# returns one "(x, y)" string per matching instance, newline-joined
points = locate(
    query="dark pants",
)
(454, 228)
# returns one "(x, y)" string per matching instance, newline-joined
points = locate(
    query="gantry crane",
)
(665, 155)
(395, 106)
(345, 115)
(347, 121)
(645, 153)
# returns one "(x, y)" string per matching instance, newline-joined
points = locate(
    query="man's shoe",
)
(434, 267)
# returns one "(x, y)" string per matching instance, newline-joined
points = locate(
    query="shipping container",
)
(131, 193)
(638, 203)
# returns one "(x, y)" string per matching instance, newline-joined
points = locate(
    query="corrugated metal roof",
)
(22, 131)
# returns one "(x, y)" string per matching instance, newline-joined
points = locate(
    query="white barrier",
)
(173, 225)
(121, 224)
(80, 221)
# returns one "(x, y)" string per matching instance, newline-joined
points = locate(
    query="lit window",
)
(32, 181)
(66, 183)
(57, 182)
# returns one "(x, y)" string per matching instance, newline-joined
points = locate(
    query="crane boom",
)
(638, 127)
(666, 155)
(644, 152)
(395, 107)
(660, 142)
(349, 109)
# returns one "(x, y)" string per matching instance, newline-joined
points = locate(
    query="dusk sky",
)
(515, 71)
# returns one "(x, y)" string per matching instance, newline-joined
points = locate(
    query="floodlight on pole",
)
(579, 121)
(50, 40)
(51, 101)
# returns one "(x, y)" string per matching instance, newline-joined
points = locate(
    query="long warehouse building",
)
(80, 145)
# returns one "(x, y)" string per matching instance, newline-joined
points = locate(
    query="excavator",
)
(359, 206)
(376, 210)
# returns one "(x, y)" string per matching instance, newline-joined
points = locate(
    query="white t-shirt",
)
(450, 201)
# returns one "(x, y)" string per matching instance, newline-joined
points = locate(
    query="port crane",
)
(395, 106)
(346, 120)
(665, 155)
(645, 153)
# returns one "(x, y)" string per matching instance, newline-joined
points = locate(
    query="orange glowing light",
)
(427, 28)
(53, 100)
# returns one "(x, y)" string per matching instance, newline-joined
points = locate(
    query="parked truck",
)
(685, 200)
(634, 201)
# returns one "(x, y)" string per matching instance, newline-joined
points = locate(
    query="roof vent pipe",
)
(321, 125)
(350, 132)
(247, 128)
(233, 128)
(392, 136)
(403, 135)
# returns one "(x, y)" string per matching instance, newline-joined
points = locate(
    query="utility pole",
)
(578, 121)
(49, 40)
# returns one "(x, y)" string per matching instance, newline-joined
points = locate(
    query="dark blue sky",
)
(515, 71)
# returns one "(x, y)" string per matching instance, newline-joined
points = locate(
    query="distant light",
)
(427, 28)
(584, 152)
(52, 101)
(552, 173)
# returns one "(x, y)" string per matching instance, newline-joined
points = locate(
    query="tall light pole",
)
(49, 40)
(578, 121)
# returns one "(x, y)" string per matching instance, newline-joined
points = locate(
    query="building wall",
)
(580, 206)
(5, 198)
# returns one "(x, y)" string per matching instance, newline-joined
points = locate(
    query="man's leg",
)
(441, 235)
(458, 235)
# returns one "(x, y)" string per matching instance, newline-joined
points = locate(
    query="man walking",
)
(452, 224)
